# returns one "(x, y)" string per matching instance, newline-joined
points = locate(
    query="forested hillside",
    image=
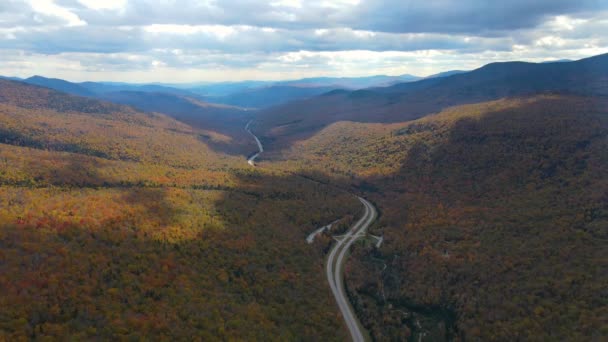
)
(122, 224)
(179, 104)
(494, 218)
(307, 171)
(60, 85)
(116, 224)
(212, 118)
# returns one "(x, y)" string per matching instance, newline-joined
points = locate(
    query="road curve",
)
(251, 160)
(335, 261)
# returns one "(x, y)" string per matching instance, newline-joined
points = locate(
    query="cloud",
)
(47, 11)
(281, 38)
(104, 5)
(396, 16)
(478, 17)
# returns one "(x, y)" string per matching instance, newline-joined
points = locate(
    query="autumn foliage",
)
(116, 224)
(494, 217)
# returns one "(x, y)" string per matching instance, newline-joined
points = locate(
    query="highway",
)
(337, 255)
(251, 160)
(335, 265)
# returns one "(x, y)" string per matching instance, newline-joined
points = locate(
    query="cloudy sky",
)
(219, 40)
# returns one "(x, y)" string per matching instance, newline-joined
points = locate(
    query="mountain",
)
(265, 94)
(491, 185)
(558, 61)
(227, 121)
(41, 118)
(265, 97)
(100, 88)
(226, 89)
(96, 89)
(164, 102)
(351, 82)
(446, 73)
(480, 202)
(251, 94)
(221, 89)
(60, 85)
(10, 78)
(407, 101)
(31, 96)
(118, 224)
(223, 119)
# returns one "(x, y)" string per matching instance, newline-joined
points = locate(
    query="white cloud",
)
(364, 34)
(565, 23)
(550, 41)
(142, 40)
(219, 31)
(104, 4)
(45, 8)
(340, 3)
(287, 3)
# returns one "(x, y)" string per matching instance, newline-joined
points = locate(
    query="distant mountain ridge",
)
(95, 89)
(60, 85)
(407, 101)
(271, 96)
(252, 94)
(352, 82)
(446, 73)
(265, 94)
(103, 88)
(10, 78)
(33, 96)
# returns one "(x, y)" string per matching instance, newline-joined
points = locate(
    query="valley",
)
(121, 238)
(457, 190)
(147, 212)
(335, 260)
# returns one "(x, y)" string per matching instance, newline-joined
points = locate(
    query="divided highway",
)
(337, 255)
(335, 264)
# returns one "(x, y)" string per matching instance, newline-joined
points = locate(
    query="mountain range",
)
(412, 100)
(250, 94)
(132, 212)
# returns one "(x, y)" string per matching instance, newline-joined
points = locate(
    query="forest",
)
(304, 170)
(119, 224)
(116, 224)
(494, 217)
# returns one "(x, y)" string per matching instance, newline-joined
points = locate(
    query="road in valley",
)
(337, 256)
(335, 265)
(251, 160)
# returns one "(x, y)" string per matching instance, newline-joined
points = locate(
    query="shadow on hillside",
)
(216, 124)
(228, 264)
(239, 142)
(307, 118)
(477, 218)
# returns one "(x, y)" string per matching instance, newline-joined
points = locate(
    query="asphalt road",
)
(251, 160)
(335, 265)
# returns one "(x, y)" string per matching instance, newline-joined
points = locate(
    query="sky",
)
(183, 41)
